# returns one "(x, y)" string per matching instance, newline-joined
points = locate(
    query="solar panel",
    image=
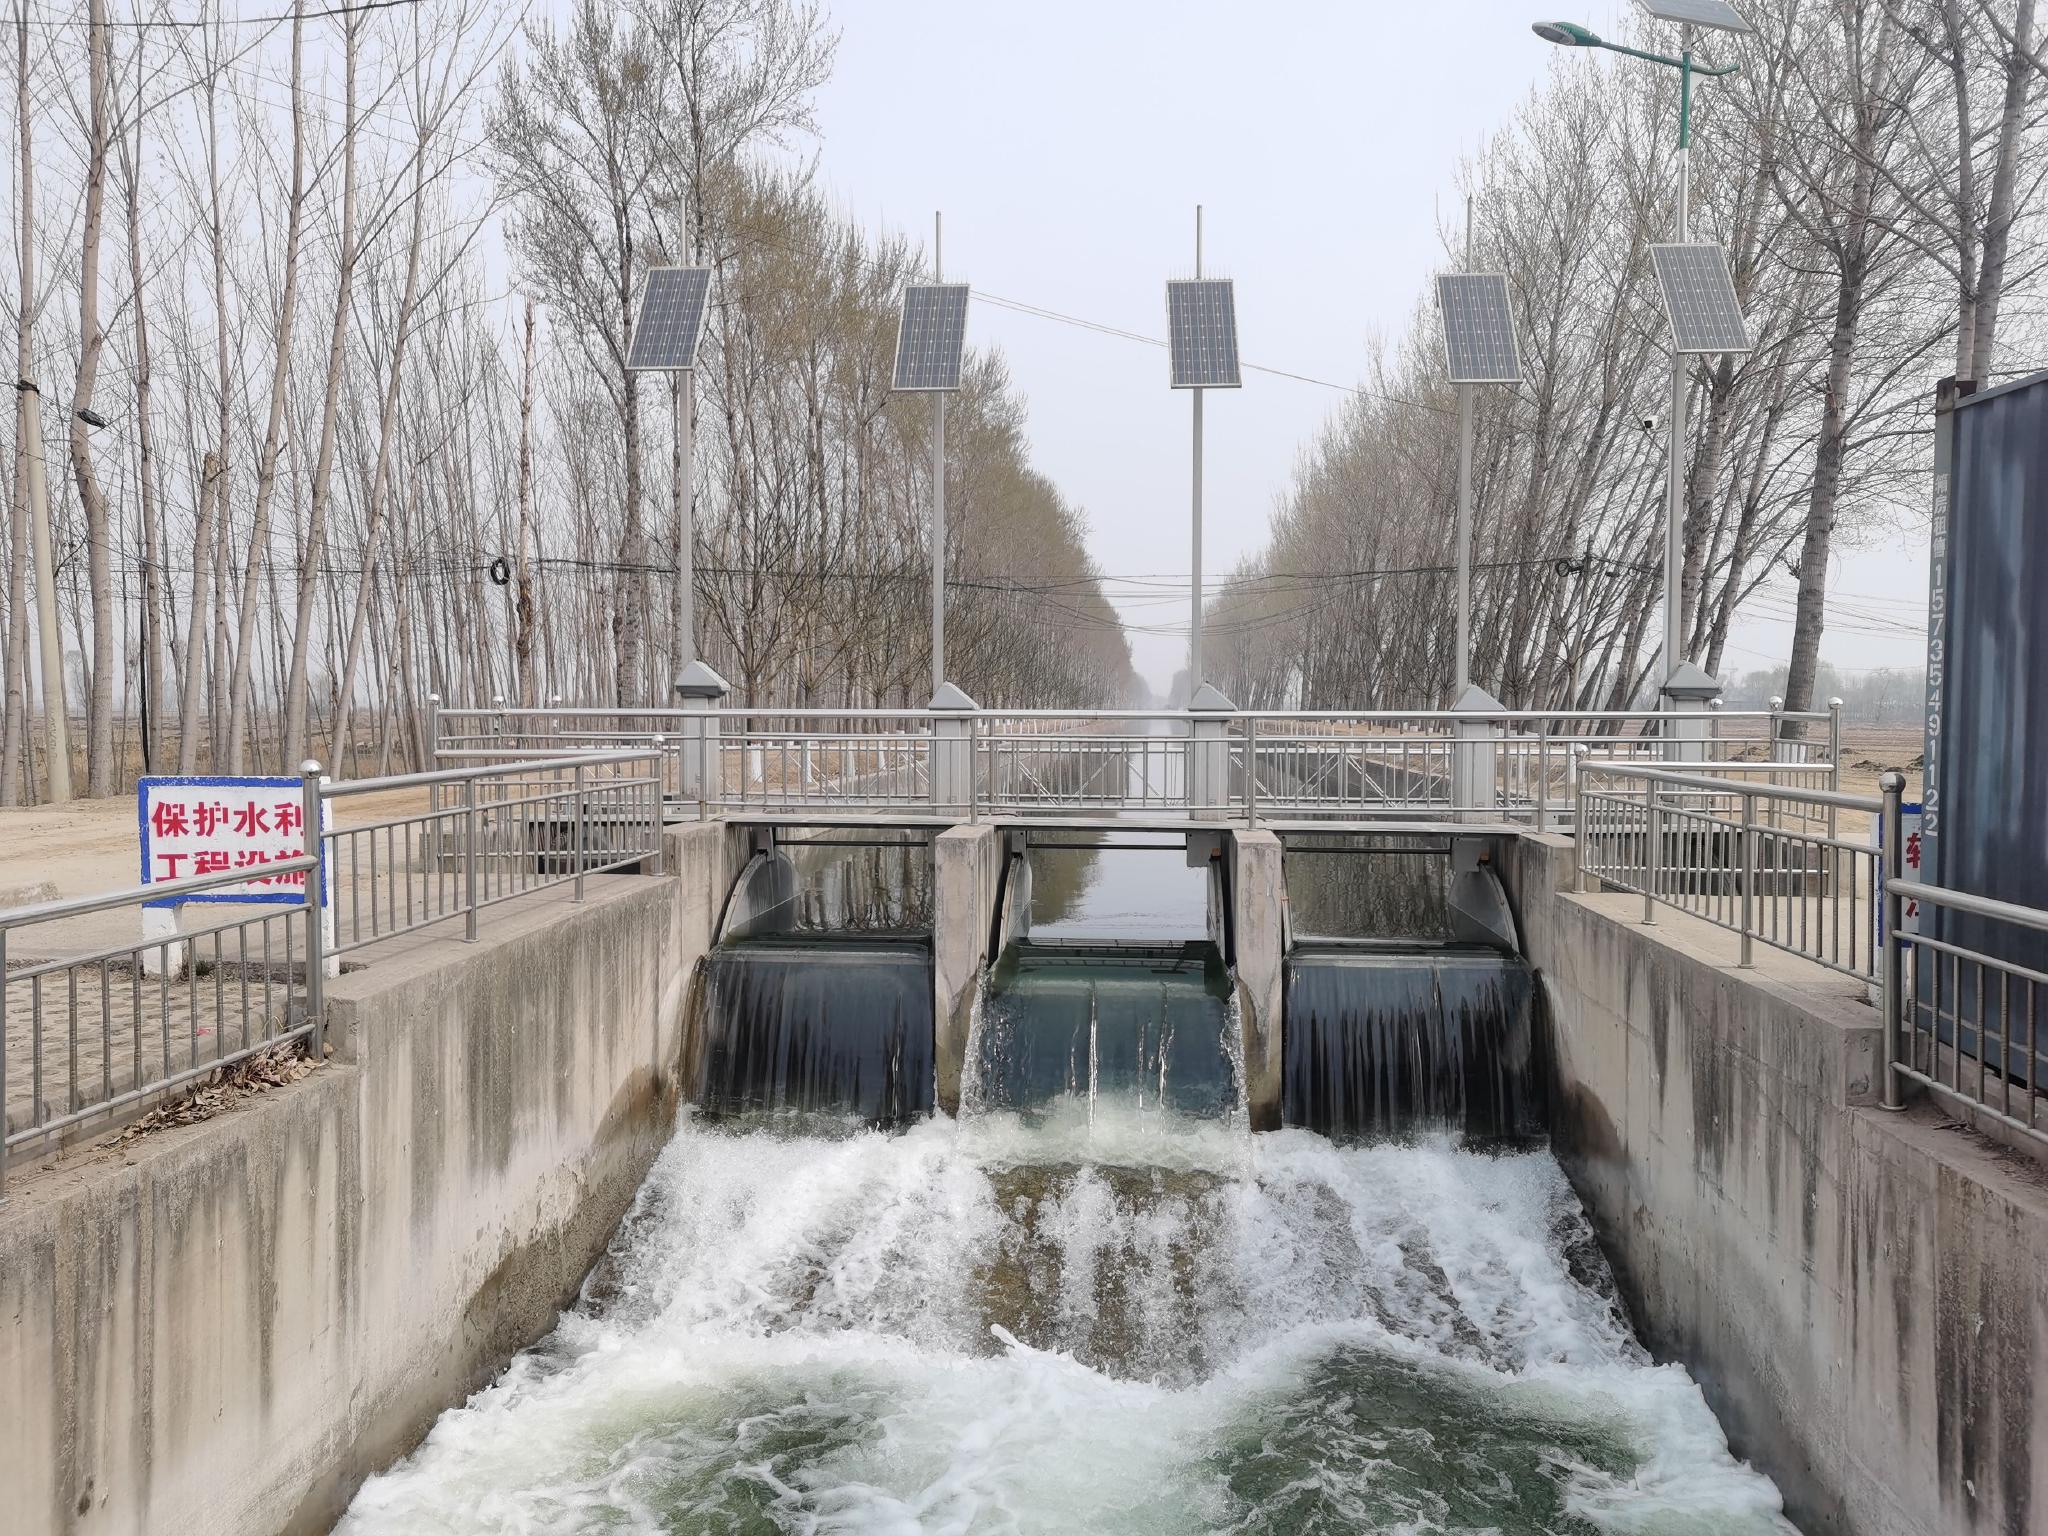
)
(1698, 13)
(1479, 328)
(671, 319)
(1201, 329)
(1699, 296)
(931, 336)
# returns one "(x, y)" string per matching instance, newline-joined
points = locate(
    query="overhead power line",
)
(179, 23)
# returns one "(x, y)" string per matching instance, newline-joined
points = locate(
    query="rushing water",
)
(1094, 1304)
(1139, 1324)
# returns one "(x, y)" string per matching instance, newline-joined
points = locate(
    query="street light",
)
(1567, 34)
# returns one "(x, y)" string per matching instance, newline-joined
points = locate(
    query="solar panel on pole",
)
(1699, 296)
(1698, 13)
(1201, 330)
(671, 320)
(1479, 328)
(931, 337)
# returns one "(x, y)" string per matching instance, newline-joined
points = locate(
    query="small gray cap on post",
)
(952, 767)
(1690, 682)
(1688, 693)
(1208, 771)
(1475, 761)
(698, 760)
(700, 682)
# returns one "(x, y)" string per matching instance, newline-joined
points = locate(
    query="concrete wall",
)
(1862, 1295)
(965, 864)
(224, 1328)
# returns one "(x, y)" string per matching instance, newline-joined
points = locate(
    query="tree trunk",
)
(523, 596)
(99, 705)
(273, 432)
(14, 653)
(152, 690)
(298, 688)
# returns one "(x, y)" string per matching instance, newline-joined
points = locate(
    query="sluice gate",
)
(1110, 975)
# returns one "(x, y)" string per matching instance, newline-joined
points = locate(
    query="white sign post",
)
(204, 825)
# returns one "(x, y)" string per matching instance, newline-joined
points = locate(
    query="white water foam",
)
(1150, 1324)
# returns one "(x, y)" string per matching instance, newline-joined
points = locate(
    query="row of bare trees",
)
(342, 401)
(1874, 171)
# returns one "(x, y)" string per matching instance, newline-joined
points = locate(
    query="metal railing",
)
(1769, 862)
(93, 1027)
(486, 835)
(1511, 765)
(105, 1027)
(1960, 1022)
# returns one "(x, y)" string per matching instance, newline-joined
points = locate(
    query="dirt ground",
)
(90, 846)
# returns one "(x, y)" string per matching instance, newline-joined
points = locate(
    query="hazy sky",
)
(1068, 144)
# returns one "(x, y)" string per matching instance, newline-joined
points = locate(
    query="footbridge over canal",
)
(1650, 944)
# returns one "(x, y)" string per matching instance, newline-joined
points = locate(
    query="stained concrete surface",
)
(225, 1327)
(1862, 1295)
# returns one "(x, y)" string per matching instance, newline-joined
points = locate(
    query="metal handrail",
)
(335, 789)
(1831, 797)
(136, 895)
(1976, 906)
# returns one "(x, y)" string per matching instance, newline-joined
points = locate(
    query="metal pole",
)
(1195, 582)
(1748, 878)
(469, 858)
(316, 901)
(686, 536)
(582, 837)
(3, 1057)
(56, 716)
(1251, 770)
(1465, 405)
(1653, 830)
(1578, 788)
(1674, 489)
(1464, 541)
(1892, 1000)
(938, 554)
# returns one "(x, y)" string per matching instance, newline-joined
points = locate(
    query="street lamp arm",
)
(1713, 70)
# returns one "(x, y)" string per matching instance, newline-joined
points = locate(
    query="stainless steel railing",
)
(1513, 765)
(1961, 1022)
(97, 1024)
(94, 1027)
(1775, 864)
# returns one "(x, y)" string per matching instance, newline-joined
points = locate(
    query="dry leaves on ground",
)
(228, 1086)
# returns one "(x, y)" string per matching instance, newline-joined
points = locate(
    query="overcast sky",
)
(1068, 144)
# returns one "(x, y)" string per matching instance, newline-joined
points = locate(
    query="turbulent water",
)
(1120, 1322)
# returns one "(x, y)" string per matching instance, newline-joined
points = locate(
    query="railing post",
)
(974, 768)
(1251, 770)
(1892, 1002)
(582, 836)
(1576, 768)
(1748, 878)
(1543, 777)
(1834, 760)
(316, 916)
(1653, 852)
(3, 1065)
(657, 793)
(469, 859)
(434, 790)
